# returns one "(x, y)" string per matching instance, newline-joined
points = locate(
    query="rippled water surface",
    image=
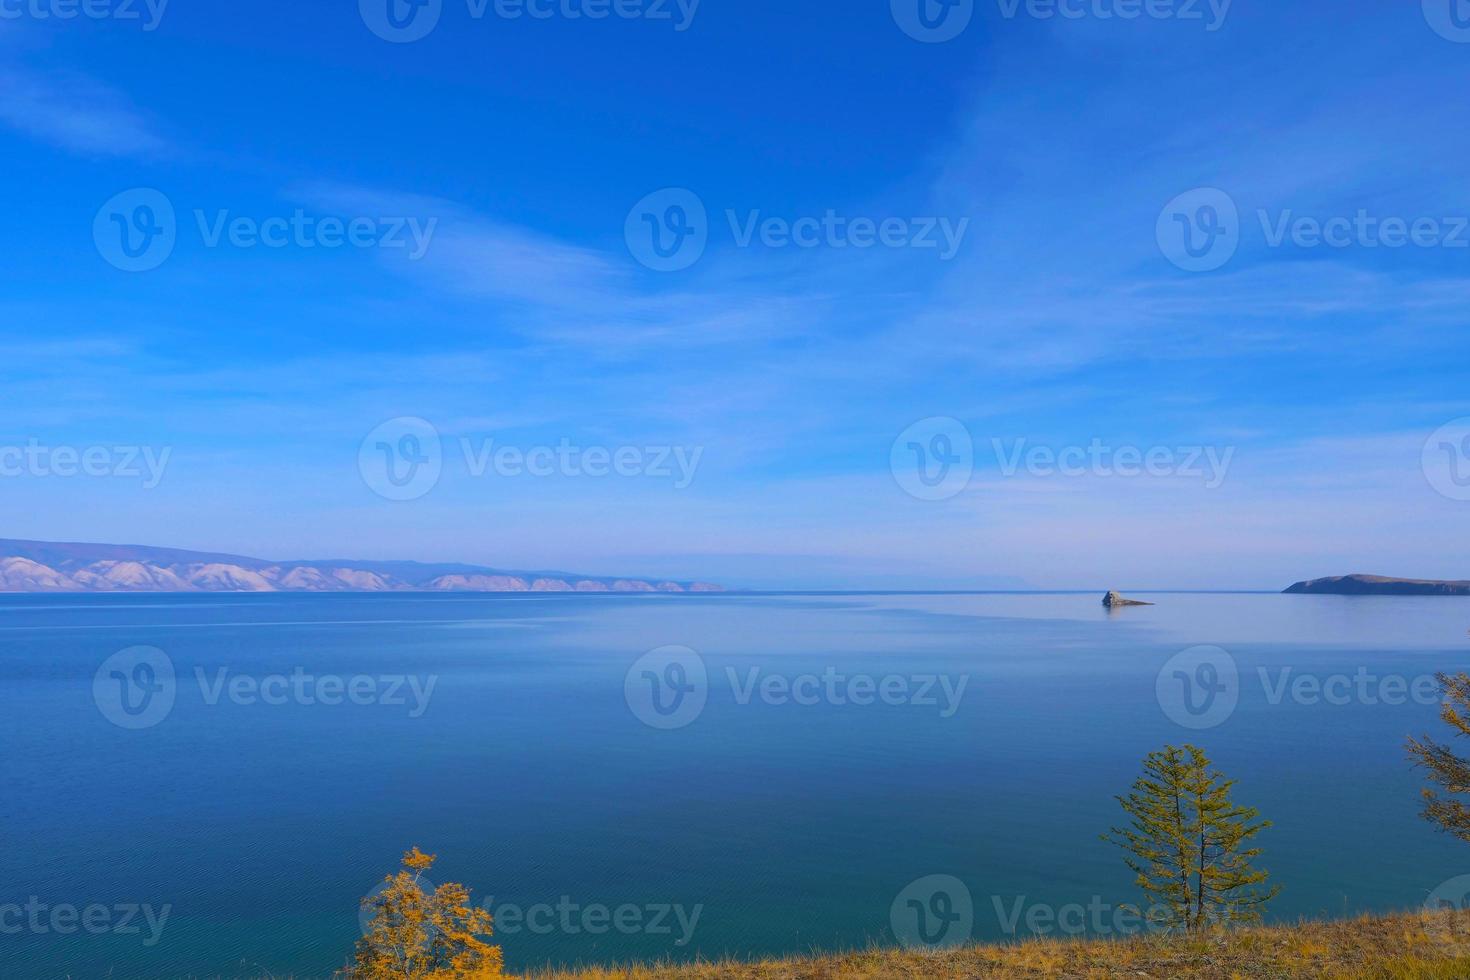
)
(763, 825)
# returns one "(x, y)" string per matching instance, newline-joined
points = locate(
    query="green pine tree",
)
(1448, 771)
(1189, 844)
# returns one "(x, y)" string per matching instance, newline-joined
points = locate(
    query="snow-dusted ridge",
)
(42, 566)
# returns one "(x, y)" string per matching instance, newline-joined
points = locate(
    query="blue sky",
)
(1056, 149)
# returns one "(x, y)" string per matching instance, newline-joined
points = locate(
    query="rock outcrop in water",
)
(39, 566)
(1378, 585)
(1113, 600)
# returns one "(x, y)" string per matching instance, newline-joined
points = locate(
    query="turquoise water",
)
(771, 826)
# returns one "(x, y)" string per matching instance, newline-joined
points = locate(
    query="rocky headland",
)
(1378, 585)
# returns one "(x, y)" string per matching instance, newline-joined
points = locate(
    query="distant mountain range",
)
(42, 566)
(1378, 585)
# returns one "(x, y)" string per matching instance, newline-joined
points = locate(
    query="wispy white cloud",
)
(558, 293)
(77, 113)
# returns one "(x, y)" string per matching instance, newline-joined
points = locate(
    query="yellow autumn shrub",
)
(419, 935)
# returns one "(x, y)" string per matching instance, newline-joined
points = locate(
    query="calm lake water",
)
(612, 809)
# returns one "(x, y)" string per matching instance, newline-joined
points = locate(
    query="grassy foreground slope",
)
(1414, 946)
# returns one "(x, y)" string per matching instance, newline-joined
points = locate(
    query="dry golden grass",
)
(1413, 946)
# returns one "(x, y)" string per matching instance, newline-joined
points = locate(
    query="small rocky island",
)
(1378, 585)
(1113, 600)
